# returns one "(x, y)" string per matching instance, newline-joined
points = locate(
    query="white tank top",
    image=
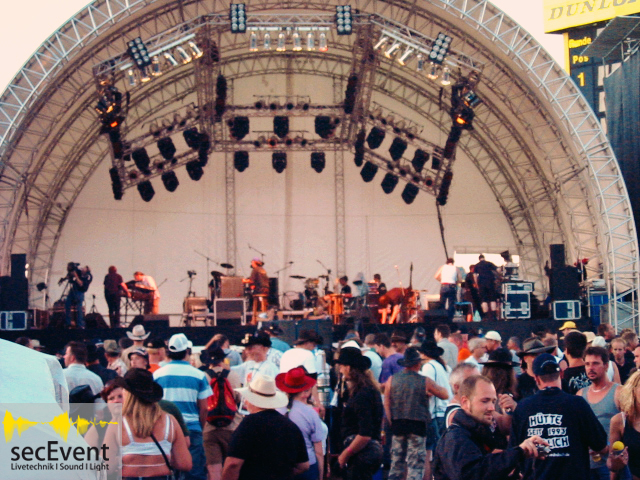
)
(147, 448)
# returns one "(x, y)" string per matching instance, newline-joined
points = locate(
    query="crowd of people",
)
(451, 407)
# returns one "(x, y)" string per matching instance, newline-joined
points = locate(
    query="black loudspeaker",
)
(14, 293)
(18, 265)
(565, 283)
(274, 295)
(292, 329)
(556, 253)
(95, 320)
(151, 322)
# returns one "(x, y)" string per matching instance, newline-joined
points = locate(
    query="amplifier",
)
(195, 304)
(231, 287)
(517, 287)
(516, 305)
(13, 320)
(566, 310)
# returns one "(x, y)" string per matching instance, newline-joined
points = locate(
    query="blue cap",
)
(545, 364)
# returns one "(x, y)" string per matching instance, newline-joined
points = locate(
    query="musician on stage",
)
(392, 301)
(345, 289)
(114, 288)
(214, 288)
(260, 285)
(151, 305)
(382, 288)
(79, 281)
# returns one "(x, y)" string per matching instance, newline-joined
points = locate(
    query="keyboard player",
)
(147, 286)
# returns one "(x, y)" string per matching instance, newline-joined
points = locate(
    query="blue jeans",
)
(449, 295)
(312, 474)
(199, 469)
(74, 298)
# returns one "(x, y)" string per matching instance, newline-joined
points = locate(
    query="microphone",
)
(290, 263)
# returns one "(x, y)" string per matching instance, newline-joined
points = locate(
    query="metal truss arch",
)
(564, 185)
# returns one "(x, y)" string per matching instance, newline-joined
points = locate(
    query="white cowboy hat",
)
(262, 393)
(138, 333)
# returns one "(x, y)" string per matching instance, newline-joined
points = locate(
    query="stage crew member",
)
(114, 287)
(448, 276)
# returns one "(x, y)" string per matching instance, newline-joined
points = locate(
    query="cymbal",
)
(326, 277)
(299, 277)
(216, 273)
(226, 265)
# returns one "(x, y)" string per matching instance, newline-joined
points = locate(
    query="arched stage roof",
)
(536, 142)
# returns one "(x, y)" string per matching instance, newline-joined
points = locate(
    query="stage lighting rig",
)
(397, 148)
(368, 171)
(170, 181)
(344, 20)
(194, 169)
(440, 48)
(318, 161)
(279, 161)
(420, 157)
(375, 137)
(389, 183)
(409, 193)
(238, 17)
(241, 160)
(238, 127)
(138, 52)
(146, 190)
(281, 125)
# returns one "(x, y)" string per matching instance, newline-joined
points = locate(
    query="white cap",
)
(493, 335)
(178, 343)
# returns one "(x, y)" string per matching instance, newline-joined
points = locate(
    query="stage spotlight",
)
(194, 169)
(238, 17)
(259, 105)
(436, 162)
(137, 50)
(359, 148)
(183, 55)
(241, 160)
(440, 48)
(297, 41)
(344, 20)
(273, 141)
(324, 126)
(131, 78)
(394, 46)
(443, 194)
(279, 161)
(350, 94)
(323, 45)
(116, 183)
(409, 193)
(368, 171)
(397, 148)
(192, 138)
(203, 149)
(420, 157)
(253, 42)
(171, 60)
(402, 59)
(432, 74)
(311, 42)
(318, 161)
(289, 105)
(266, 45)
(170, 181)
(142, 160)
(197, 52)
(375, 137)
(419, 63)
(281, 125)
(239, 127)
(282, 42)
(446, 76)
(389, 183)
(167, 148)
(463, 117)
(382, 42)
(146, 190)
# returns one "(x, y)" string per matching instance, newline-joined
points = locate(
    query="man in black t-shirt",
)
(565, 421)
(575, 377)
(266, 445)
(485, 273)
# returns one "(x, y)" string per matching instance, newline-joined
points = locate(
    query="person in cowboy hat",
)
(434, 369)
(142, 421)
(256, 347)
(297, 384)
(259, 281)
(406, 406)
(361, 416)
(138, 335)
(113, 354)
(531, 348)
(266, 445)
(499, 368)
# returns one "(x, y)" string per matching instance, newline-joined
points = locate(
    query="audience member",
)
(625, 428)
(76, 373)
(399, 341)
(631, 339)
(478, 349)
(139, 358)
(574, 376)
(607, 331)
(531, 348)
(622, 361)
(463, 352)
(494, 340)
(566, 421)
(457, 376)
(138, 336)
(302, 353)
(112, 353)
(274, 331)
(93, 364)
(156, 349)
(389, 355)
(266, 445)
(370, 352)
(441, 335)
(515, 346)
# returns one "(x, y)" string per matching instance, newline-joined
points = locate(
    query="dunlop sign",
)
(564, 14)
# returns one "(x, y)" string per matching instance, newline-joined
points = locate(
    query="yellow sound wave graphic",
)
(61, 424)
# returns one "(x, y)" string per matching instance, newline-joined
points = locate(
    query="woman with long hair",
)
(152, 442)
(625, 428)
(297, 384)
(361, 417)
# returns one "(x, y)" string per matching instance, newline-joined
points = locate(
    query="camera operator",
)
(79, 280)
(566, 421)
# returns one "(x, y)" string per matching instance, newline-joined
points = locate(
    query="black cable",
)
(444, 243)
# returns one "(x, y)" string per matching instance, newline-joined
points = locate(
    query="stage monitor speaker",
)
(231, 287)
(151, 322)
(95, 320)
(18, 265)
(274, 292)
(565, 283)
(14, 293)
(556, 253)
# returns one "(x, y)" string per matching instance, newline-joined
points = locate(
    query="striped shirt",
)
(184, 385)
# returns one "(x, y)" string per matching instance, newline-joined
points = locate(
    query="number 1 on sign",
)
(581, 79)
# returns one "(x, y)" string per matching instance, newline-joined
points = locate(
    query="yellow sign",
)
(563, 14)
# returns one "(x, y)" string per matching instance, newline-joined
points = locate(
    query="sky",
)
(25, 26)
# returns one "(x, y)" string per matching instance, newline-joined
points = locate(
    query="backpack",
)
(221, 405)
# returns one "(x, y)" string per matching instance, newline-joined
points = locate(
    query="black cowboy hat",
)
(140, 383)
(500, 357)
(534, 346)
(411, 358)
(353, 357)
(258, 338)
(213, 355)
(309, 336)
(431, 349)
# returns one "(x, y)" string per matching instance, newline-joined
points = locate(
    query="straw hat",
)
(262, 393)
(138, 333)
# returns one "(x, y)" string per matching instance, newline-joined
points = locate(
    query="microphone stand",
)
(262, 255)
(326, 286)
(277, 272)
(208, 260)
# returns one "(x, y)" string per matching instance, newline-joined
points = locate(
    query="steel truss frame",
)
(536, 142)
